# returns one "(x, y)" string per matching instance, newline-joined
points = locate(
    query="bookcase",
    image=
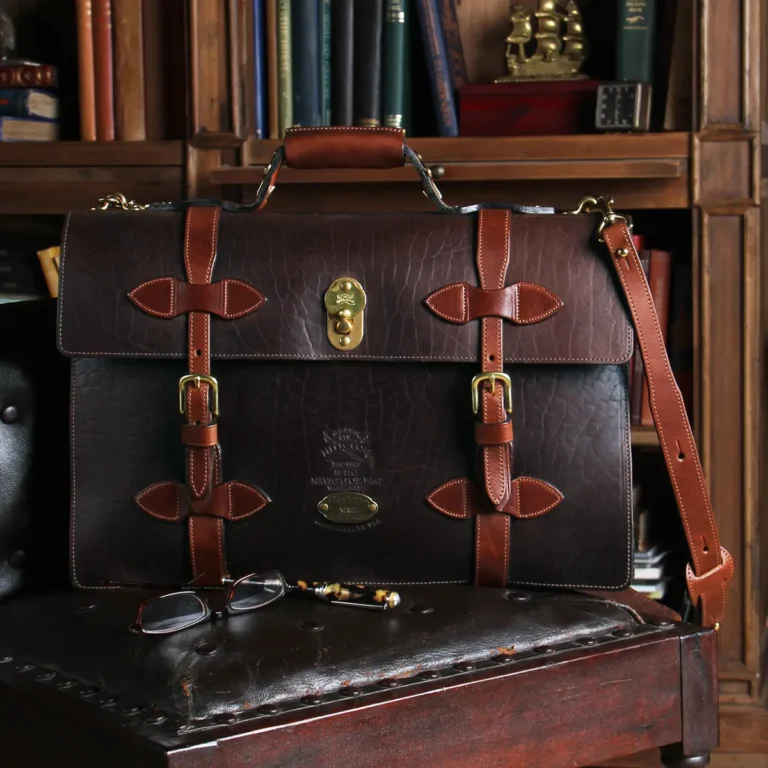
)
(703, 185)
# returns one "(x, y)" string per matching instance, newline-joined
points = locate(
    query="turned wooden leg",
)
(674, 757)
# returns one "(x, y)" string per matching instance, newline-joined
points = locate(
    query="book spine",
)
(130, 122)
(453, 44)
(16, 102)
(342, 47)
(285, 69)
(85, 70)
(104, 72)
(660, 284)
(439, 71)
(273, 86)
(368, 34)
(635, 37)
(638, 368)
(394, 63)
(259, 75)
(305, 53)
(28, 76)
(24, 129)
(325, 61)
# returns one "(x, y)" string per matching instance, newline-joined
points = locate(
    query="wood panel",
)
(76, 153)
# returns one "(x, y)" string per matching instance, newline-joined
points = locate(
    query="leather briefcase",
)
(392, 398)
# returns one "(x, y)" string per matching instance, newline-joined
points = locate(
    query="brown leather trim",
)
(169, 297)
(463, 498)
(344, 147)
(230, 501)
(712, 565)
(493, 434)
(206, 546)
(201, 436)
(521, 303)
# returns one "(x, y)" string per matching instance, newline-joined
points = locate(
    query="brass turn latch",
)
(344, 303)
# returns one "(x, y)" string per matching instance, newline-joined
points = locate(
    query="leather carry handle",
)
(712, 564)
(344, 147)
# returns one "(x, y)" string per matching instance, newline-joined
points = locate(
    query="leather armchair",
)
(455, 676)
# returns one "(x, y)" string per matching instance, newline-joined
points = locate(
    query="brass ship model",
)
(547, 43)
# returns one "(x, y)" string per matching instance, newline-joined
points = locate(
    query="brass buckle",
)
(197, 379)
(603, 207)
(492, 377)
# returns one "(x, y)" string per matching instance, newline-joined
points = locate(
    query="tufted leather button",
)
(588, 641)
(6, 659)
(544, 650)
(109, 701)
(268, 709)
(131, 709)
(311, 626)
(311, 701)
(429, 674)
(65, 684)
(89, 690)
(45, 676)
(206, 649)
(350, 691)
(662, 623)
(622, 632)
(502, 658)
(156, 719)
(225, 718)
(17, 558)
(389, 683)
(464, 666)
(9, 414)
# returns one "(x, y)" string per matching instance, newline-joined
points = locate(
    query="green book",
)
(393, 107)
(325, 61)
(635, 40)
(284, 72)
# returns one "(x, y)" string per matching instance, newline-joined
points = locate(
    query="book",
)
(28, 102)
(273, 91)
(342, 58)
(305, 62)
(49, 264)
(660, 280)
(26, 129)
(285, 69)
(130, 122)
(259, 75)
(28, 74)
(325, 62)
(678, 105)
(368, 40)
(636, 22)
(393, 105)
(85, 70)
(103, 70)
(19, 275)
(453, 46)
(439, 70)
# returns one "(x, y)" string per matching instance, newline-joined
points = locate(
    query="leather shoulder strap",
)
(712, 564)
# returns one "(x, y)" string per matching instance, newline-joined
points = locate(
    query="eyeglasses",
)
(181, 610)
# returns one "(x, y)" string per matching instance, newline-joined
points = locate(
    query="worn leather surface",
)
(344, 147)
(33, 495)
(297, 430)
(292, 259)
(291, 649)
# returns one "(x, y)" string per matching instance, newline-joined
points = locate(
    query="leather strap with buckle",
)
(204, 500)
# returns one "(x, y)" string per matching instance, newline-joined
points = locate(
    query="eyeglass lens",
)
(171, 613)
(256, 591)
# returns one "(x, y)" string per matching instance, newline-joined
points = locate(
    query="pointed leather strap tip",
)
(231, 501)
(463, 498)
(169, 297)
(521, 303)
(710, 589)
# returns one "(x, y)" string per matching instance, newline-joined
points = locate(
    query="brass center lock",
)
(344, 304)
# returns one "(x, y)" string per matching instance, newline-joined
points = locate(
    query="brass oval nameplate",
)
(348, 507)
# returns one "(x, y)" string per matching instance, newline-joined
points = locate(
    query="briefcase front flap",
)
(409, 283)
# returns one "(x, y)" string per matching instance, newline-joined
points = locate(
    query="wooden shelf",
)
(544, 158)
(59, 177)
(645, 436)
(92, 154)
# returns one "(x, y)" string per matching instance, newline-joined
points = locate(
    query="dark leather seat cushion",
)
(285, 652)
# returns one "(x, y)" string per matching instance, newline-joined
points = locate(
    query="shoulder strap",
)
(712, 564)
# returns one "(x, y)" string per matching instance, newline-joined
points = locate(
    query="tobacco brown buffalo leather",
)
(522, 303)
(169, 297)
(349, 147)
(391, 419)
(712, 564)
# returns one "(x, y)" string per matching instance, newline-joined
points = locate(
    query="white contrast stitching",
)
(149, 309)
(463, 482)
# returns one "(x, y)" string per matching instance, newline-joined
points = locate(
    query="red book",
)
(528, 108)
(85, 64)
(660, 281)
(104, 70)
